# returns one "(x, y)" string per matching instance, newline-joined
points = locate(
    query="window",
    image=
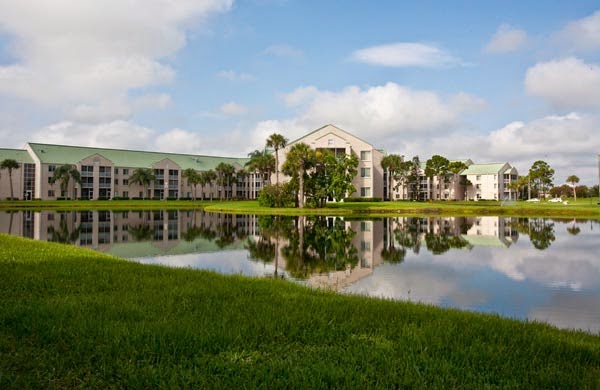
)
(51, 168)
(365, 226)
(125, 182)
(116, 171)
(365, 192)
(365, 172)
(116, 182)
(365, 245)
(365, 155)
(125, 171)
(125, 195)
(50, 193)
(478, 177)
(329, 142)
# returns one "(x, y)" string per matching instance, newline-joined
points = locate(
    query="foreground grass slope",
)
(71, 317)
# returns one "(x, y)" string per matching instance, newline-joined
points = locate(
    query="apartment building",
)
(105, 173)
(369, 179)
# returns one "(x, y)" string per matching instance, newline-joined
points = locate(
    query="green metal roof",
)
(483, 169)
(20, 155)
(130, 250)
(484, 240)
(64, 154)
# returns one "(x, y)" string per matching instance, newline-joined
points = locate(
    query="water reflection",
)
(529, 268)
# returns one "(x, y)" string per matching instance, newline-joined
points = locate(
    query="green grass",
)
(71, 317)
(581, 209)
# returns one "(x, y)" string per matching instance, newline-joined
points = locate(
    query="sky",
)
(492, 81)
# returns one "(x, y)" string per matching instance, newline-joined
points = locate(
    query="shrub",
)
(276, 195)
(358, 200)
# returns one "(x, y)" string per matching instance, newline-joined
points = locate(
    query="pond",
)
(527, 268)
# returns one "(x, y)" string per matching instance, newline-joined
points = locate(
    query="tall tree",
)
(541, 175)
(299, 159)
(392, 164)
(143, 177)
(276, 141)
(63, 175)
(10, 164)
(414, 178)
(262, 162)
(573, 180)
(193, 179)
(437, 166)
(208, 177)
(456, 167)
(225, 177)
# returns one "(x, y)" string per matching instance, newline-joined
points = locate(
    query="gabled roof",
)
(484, 169)
(20, 155)
(328, 125)
(64, 154)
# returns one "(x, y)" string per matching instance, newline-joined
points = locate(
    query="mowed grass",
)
(585, 208)
(71, 317)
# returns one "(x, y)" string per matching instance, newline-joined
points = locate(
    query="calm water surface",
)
(527, 268)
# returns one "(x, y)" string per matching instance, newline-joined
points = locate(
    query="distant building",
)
(105, 173)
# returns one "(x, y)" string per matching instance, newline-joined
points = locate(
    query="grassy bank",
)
(581, 209)
(71, 317)
(586, 208)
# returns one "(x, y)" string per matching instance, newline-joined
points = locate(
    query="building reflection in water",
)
(326, 252)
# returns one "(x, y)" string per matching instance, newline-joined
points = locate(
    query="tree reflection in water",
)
(539, 230)
(64, 234)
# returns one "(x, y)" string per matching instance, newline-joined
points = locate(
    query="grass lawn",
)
(71, 317)
(583, 208)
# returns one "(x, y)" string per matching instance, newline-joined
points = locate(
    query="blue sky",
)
(490, 81)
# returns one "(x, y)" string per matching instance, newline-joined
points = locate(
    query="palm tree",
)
(276, 141)
(262, 162)
(392, 163)
(193, 179)
(299, 159)
(208, 177)
(225, 176)
(573, 180)
(10, 164)
(64, 174)
(143, 177)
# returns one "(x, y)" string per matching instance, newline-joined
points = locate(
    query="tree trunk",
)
(301, 188)
(11, 186)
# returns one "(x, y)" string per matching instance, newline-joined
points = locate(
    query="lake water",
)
(527, 268)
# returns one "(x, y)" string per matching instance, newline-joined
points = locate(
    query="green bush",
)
(276, 195)
(359, 200)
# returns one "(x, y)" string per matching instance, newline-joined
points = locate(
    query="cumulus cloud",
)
(506, 39)
(403, 54)
(569, 143)
(382, 114)
(582, 34)
(81, 51)
(566, 83)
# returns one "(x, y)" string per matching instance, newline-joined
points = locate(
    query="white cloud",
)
(506, 39)
(377, 113)
(233, 108)
(81, 51)
(566, 83)
(404, 54)
(116, 134)
(569, 143)
(582, 34)
(285, 51)
(232, 75)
